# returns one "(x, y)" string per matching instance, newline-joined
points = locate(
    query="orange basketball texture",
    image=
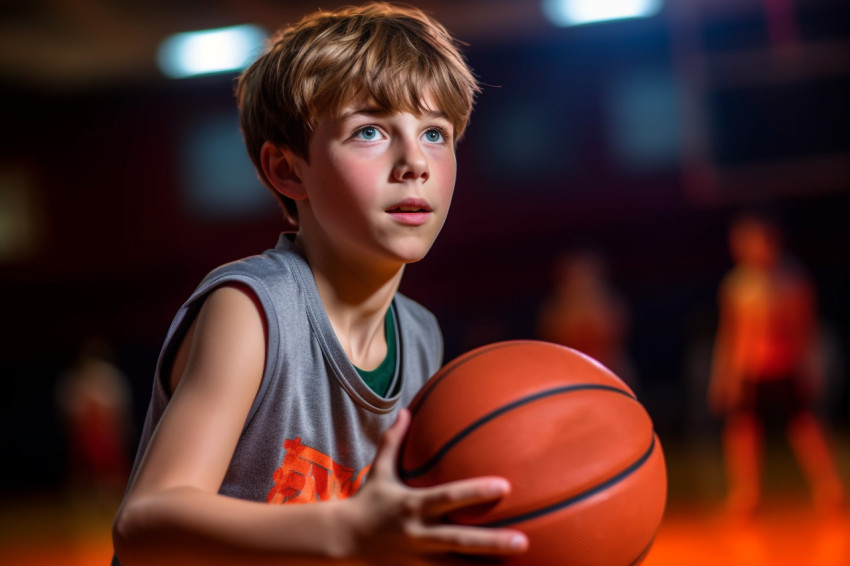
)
(587, 471)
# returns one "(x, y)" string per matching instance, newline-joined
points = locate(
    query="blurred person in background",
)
(93, 398)
(585, 313)
(766, 367)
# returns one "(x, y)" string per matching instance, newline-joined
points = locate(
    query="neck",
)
(356, 299)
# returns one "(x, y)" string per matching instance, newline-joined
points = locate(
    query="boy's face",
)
(378, 186)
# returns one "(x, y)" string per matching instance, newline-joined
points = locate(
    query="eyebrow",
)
(376, 111)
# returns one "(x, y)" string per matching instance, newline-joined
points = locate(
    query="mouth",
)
(407, 209)
(410, 206)
(410, 212)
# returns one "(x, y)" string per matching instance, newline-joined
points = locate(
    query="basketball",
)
(586, 468)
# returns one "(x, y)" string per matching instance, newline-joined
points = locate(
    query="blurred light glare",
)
(577, 12)
(210, 51)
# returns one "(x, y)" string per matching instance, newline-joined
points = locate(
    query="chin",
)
(414, 259)
(411, 250)
(412, 255)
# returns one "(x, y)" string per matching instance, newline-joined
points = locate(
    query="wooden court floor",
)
(57, 530)
(787, 534)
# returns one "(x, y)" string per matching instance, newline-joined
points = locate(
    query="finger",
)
(476, 541)
(390, 443)
(448, 497)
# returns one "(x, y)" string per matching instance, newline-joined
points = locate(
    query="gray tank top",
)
(313, 428)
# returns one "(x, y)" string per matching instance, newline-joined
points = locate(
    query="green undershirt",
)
(379, 379)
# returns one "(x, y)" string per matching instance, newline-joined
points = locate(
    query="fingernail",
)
(517, 542)
(498, 487)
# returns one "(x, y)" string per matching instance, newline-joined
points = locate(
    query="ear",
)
(280, 168)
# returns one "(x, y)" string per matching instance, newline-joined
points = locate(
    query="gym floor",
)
(786, 530)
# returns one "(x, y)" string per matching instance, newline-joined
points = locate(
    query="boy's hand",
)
(392, 523)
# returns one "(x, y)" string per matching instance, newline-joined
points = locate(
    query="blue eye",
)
(368, 133)
(434, 135)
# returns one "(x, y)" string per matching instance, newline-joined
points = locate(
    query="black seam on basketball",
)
(576, 498)
(432, 384)
(424, 468)
(643, 553)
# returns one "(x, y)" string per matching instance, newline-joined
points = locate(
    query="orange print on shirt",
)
(307, 476)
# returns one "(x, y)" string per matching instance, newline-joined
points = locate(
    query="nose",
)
(411, 163)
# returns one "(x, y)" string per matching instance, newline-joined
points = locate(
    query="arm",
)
(174, 515)
(724, 377)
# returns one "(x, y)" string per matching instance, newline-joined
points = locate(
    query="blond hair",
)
(392, 54)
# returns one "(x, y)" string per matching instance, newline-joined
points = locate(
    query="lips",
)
(410, 212)
(410, 206)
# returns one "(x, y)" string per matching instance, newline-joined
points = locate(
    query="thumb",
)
(390, 444)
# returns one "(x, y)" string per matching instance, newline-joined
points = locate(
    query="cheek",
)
(446, 171)
(364, 178)
(348, 182)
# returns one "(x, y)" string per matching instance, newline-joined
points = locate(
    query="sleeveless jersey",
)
(313, 429)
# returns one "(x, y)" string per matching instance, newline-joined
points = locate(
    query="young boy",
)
(284, 376)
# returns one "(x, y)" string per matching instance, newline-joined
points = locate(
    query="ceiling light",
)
(577, 12)
(210, 51)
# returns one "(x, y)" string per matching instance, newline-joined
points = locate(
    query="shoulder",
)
(229, 331)
(740, 280)
(278, 277)
(273, 264)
